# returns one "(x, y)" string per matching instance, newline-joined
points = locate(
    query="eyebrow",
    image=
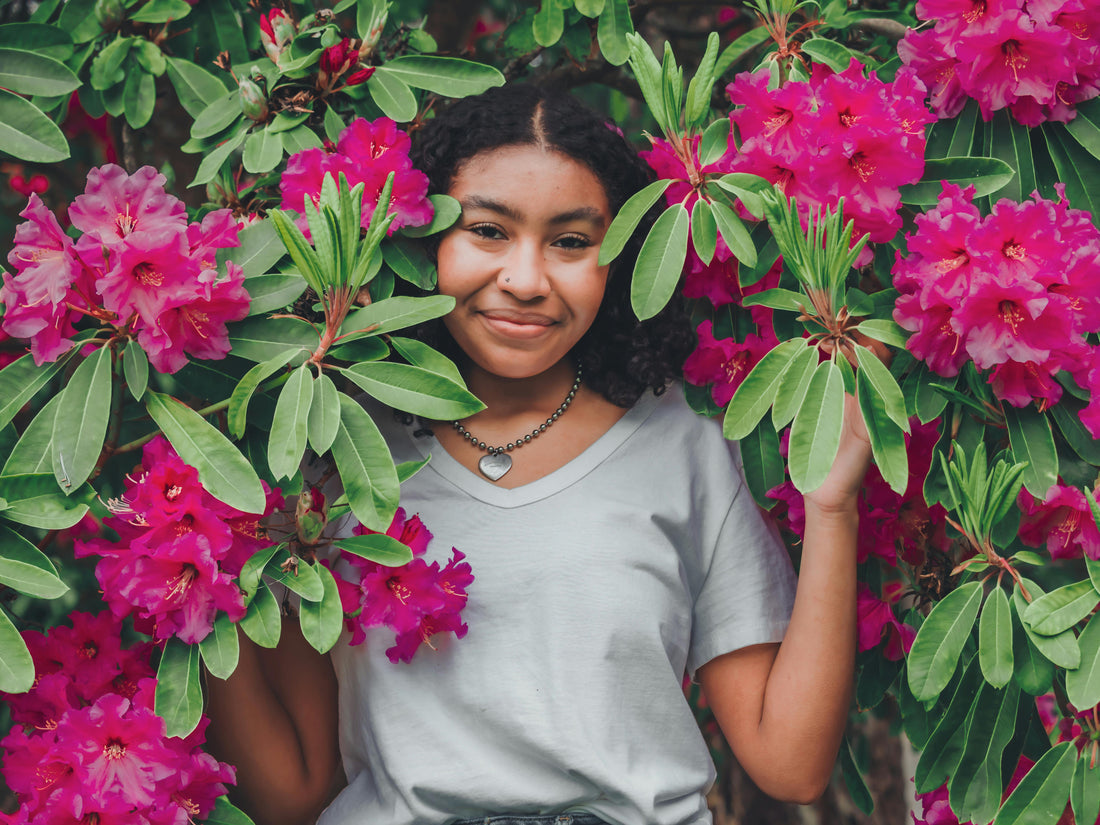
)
(581, 213)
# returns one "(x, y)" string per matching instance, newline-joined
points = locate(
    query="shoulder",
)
(696, 436)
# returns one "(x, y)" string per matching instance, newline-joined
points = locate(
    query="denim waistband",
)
(536, 819)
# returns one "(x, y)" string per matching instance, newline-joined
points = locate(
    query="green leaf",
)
(396, 313)
(260, 249)
(361, 349)
(215, 159)
(953, 137)
(976, 785)
(226, 813)
(715, 141)
(79, 20)
(697, 102)
(377, 547)
(409, 260)
(590, 8)
(1061, 609)
(853, 780)
(1060, 649)
(660, 261)
(734, 233)
(1041, 796)
(256, 338)
(1011, 142)
(1066, 415)
(420, 354)
(196, 88)
(242, 393)
(885, 330)
(945, 746)
(549, 23)
(447, 76)
(1032, 441)
(815, 433)
(140, 96)
(223, 471)
(323, 621)
(38, 38)
(274, 292)
(611, 31)
(263, 622)
(704, 231)
(1083, 683)
(446, 210)
(31, 454)
(832, 54)
(759, 389)
(885, 386)
(21, 379)
(28, 73)
(28, 134)
(45, 510)
(1085, 127)
(762, 463)
(407, 469)
(253, 569)
(995, 639)
(1085, 791)
(289, 427)
(1032, 671)
(628, 218)
(162, 11)
(365, 465)
(414, 389)
(987, 175)
(778, 298)
(16, 664)
(887, 438)
(218, 115)
(392, 95)
(262, 151)
(296, 575)
(26, 569)
(80, 424)
(135, 369)
(221, 648)
(179, 692)
(1075, 167)
(939, 642)
(324, 414)
(792, 389)
(739, 48)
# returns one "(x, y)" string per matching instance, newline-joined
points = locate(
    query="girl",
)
(614, 544)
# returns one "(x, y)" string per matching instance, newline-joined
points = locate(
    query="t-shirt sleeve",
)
(747, 586)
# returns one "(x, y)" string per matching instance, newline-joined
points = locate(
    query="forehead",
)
(530, 178)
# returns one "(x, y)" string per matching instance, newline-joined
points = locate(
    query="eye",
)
(573, 242)
(487, 231)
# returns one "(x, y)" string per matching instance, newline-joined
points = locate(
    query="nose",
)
(525, 273)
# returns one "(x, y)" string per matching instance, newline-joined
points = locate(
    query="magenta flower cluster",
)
(138, 266)
(1038, 58)
(86, 746)
(1015, 292)
(366, 152)
(178, 552)
(416, 600)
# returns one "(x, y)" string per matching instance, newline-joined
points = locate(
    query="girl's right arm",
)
(274, 718)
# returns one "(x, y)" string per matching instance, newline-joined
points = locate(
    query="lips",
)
(517, 323)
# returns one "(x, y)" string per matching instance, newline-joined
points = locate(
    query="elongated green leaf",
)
(16, 665)
(31, 454)
(213, 161)
(414, 389)
(179, 692)
(1061, 649)
(887, 438)
(815, 433)
(590, 8)
(299, 139)
(1083, 683)
(944, 747)
(46, 511)
(162, 11)
(253, 569)
(295, 575)
(396, 313)
(940, 640)
(28, 134)
(218, 115)
(196, 88)
(140, 97)
(135, 369)
(549, 23)
(361, 349)
(322, 621)
(763, 464)
(26, 569)
(263, 622)
(734, 234)
(1077, 168)
(256, 338)
(28, 73)
(1041, 796)
(995, 639)
(611, 31)
(628, 218)
(976, 785)
(289, 427)
(1032, 671)
(885, 386)
(1011, 142)
(221, 648)
(223, 471)
(393, 95)
(1085, 792)
(1061, 609)
(777, 298)
(80, 425)
(38, 38)
(446, 212)
(324, 414)
(226, 813)
(447, 76)
(271, 293)
(107, 65)
(1032, 441)
(660, 262)
(1085, 127)
(409, 260)
(377, 547)
(792, 389)
(853, 780)
(704, 231)
(987, 175)
(260, 249)
(21, 379)
(885, 330)
(715, 141)
(366, 467)
(759, 389)
(262, 151)
(420, 354)
(242, 393)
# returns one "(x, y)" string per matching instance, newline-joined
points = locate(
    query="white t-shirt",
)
(596, 588)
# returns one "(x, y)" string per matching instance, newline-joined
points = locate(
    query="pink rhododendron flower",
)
(876, 620)
(417, 600)
(116, 205)
(179, 549)
(1062, 521)
(723, 363)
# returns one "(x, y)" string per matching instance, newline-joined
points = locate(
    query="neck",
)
(505, 397)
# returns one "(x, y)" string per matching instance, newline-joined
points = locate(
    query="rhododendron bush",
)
(216, 251)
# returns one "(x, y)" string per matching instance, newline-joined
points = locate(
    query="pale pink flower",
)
(116, 205)
(1062, 521)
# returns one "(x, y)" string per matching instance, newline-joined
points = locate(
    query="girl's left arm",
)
(783, 707)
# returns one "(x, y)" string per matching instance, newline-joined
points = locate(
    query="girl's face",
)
(521, 260)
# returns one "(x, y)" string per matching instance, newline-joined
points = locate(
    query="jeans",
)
(535, 819)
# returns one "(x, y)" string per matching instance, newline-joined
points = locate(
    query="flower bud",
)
(253, 99)
(277, 30)
(310, 516)
(110, 13)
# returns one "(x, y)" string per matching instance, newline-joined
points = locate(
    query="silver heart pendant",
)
(494, 465)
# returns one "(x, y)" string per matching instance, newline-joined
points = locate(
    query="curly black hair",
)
(621, 356)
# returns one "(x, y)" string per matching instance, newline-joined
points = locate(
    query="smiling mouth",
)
(517, 324)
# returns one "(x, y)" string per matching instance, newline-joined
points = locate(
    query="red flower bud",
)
(361, 75)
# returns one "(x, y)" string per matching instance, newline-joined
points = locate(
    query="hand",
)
(841, 487)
